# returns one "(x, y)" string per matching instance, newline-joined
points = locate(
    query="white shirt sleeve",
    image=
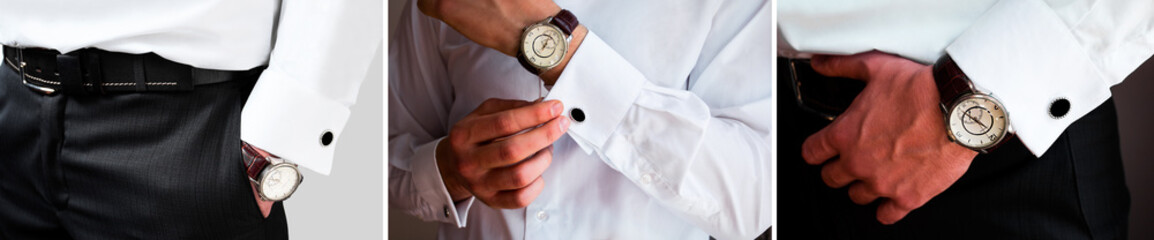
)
(321, 55)
(703, 152)
(1032, 53)
(419, 101)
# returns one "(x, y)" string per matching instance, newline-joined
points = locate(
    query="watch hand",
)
(975, 120)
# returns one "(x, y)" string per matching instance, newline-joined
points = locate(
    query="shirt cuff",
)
(295, 124)
(600, 83)
(427, 179)
(1024, 55)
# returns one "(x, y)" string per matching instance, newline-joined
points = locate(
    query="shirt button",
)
(646, 178)
(577, 114)
(446, 209)
(542, 216)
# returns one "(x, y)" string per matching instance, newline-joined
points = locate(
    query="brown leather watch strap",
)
(566, 21)
(952, 82)
(254, 162)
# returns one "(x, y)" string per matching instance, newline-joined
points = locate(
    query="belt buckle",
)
(24, 78)
(34, 87)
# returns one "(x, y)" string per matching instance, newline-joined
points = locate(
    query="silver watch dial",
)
(977, 122)
(544, 45)
(278, 182)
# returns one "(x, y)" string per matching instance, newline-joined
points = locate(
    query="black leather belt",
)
(95, 71)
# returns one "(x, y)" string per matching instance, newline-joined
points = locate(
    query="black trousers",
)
(127, 166)
(1076, 190)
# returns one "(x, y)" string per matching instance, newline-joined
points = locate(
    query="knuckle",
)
(506, 123)
(509, 152)
(907, 203)
(519, 179)
(459, 135)
(876, 188)
(857, 170)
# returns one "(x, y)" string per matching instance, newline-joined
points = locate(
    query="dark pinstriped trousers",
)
(163, 165)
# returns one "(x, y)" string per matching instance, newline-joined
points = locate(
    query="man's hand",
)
(892, 140)
(499, 151)
(496, 24)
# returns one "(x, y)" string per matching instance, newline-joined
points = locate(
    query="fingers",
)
(516, 148)
(819, 147)
(519, 198)
(511, 121)
(861, 194)
(890, 212)
(521, 174)
(857, 66)
(494, 105)
(836, 175)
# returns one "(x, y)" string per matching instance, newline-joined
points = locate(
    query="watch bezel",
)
(949, 112)
(263, 174)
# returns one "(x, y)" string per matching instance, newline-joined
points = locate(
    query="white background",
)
(348, 204)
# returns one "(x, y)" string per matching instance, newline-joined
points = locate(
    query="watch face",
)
(279, 182)
(977, 122)
(544, 45)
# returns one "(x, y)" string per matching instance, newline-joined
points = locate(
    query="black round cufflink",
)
(1059, 108)
(577, 114)
(326, 138)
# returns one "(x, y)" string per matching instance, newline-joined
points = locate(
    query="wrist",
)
(445, 165)
(550, 76)
(973, 119)
(275, 179)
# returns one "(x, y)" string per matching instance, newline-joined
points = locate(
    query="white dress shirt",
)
(1027, 53)
(317, 52)
(675, 143)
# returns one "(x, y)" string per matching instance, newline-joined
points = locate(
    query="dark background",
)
(1135, 101)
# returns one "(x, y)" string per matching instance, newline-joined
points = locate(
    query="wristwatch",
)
(544, 44)
(275, 178)
(973, 119)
